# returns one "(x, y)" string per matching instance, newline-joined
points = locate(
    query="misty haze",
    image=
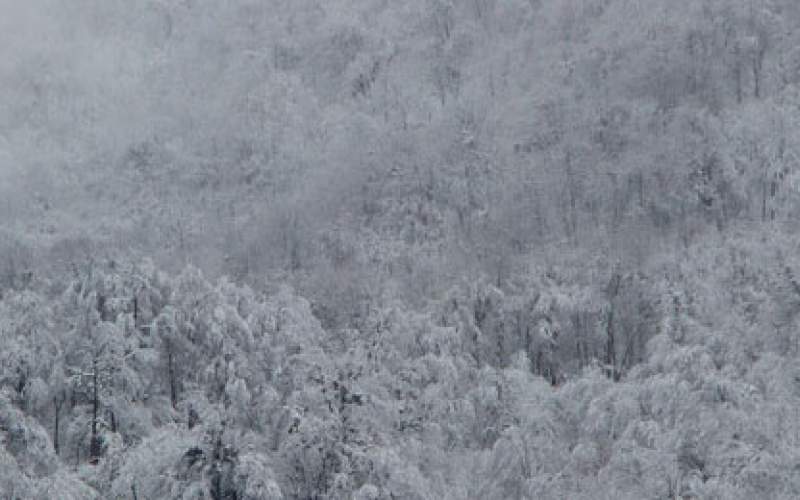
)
(399, 249)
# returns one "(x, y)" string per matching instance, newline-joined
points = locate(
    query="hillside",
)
(426, 249)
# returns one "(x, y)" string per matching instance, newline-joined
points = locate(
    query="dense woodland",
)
(419, 249)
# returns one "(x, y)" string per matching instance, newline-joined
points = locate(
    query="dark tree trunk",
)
(94, 446)
(173, 389)
(764, 197)
(737, 73)
(757, 62)
(57, 402)
(611, 353)
(135, 312)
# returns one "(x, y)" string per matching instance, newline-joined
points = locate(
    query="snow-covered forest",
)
(390, 250)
